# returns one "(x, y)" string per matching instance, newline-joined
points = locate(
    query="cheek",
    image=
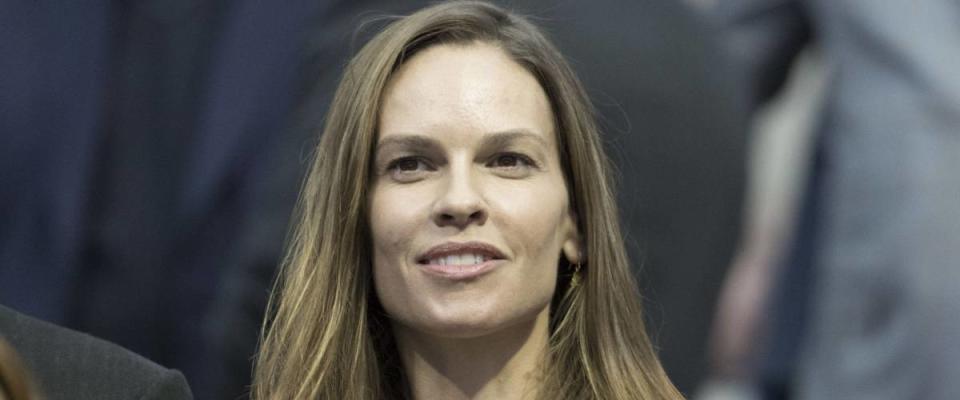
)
(532, 217)
(391, 228)
(395, 215)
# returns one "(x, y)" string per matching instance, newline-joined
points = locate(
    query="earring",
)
(575, 280)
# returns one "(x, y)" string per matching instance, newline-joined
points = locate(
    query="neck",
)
(506, 364)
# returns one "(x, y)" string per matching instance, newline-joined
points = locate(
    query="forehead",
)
(455, 92)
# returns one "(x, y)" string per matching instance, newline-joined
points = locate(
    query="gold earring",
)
(575, 280)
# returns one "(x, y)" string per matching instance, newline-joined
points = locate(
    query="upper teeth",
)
(459, 259)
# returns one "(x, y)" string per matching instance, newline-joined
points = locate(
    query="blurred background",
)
(787, 170)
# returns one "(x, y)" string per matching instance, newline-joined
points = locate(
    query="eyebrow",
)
(406, 141)
(502, 139)
(490, 140)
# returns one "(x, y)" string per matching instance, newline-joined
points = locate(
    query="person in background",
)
(69, 365)
(864, 304)
(130, 135)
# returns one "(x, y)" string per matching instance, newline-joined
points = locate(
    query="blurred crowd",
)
(788, 176)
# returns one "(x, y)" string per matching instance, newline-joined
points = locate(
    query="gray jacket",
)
(71, 365)
(885, 305)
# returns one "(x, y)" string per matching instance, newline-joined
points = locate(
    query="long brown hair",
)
(15, 383)
(325, 334)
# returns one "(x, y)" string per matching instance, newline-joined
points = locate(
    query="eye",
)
(507, 160)
(408, 164)
(408, 169)
(510, 160)
(513, 164)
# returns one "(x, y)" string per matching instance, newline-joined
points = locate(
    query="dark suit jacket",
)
(71, 365)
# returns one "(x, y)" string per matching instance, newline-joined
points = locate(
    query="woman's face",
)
(468, 208)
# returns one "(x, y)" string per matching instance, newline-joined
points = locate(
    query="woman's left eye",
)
(510, 161)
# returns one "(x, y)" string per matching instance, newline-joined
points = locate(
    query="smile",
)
(461, 261)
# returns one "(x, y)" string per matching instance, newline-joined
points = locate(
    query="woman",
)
(458, 233)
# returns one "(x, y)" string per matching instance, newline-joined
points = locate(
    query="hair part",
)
(326, 335)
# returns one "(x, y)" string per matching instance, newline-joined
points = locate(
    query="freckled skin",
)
(456, 95)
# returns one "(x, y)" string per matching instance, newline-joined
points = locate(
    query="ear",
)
(572, 247)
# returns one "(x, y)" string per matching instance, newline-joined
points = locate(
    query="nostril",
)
(479, 217)
(461, 219)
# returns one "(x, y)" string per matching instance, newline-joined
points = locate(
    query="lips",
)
(460, 253)
(459, 261)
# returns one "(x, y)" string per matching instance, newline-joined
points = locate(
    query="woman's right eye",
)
(408, 169)
(408, 164)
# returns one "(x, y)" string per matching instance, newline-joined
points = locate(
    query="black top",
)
(67, 364)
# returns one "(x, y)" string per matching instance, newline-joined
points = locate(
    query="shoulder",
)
(69, 364)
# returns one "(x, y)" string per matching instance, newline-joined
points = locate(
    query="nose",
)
(461, 201)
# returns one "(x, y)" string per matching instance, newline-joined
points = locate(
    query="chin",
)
(473, 322)
(461, 329)
(463, 323)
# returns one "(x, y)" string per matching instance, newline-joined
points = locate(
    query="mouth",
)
(461, 261)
